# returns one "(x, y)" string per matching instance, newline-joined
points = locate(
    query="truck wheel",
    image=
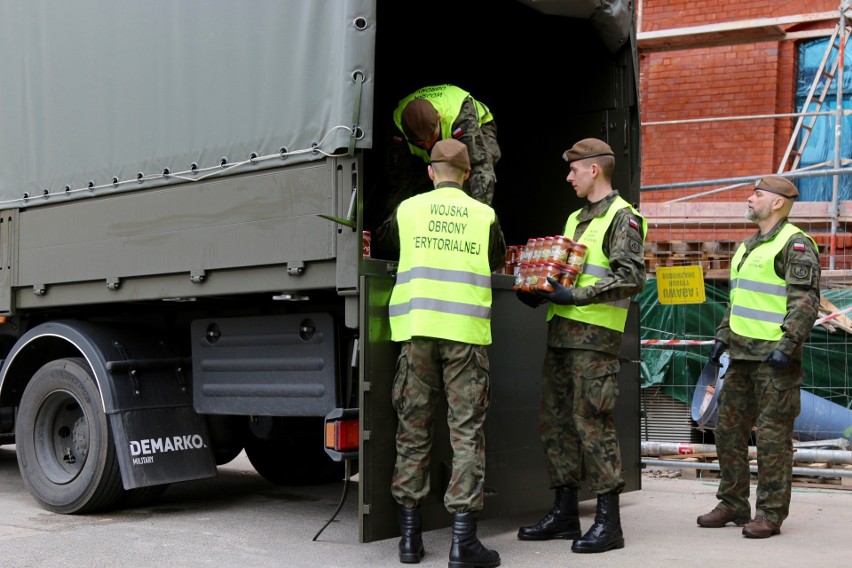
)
(227, 436)
(65, 449)
(295, 458)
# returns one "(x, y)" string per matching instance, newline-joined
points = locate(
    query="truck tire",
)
(295, 458)
(64, 444)
(227, 436)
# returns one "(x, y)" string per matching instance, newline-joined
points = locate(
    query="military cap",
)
(587, 148)
(452, 152)
(419, 119)
(777, 184)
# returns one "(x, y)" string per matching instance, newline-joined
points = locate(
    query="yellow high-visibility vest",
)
(758, 296)
(447, 100)
(612, 315)
(443, 282)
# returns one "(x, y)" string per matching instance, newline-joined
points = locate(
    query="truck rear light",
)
(341, 433)
(342, 436)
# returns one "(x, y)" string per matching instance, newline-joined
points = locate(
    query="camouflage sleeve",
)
(481, 142)
(496, 246)
(799, 266)
(723, 330)
(624, 246)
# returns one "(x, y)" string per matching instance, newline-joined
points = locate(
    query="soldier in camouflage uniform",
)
(585, 330)
(435, 113)
(440, 311)
(773, 306)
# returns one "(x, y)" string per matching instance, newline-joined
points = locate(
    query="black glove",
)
(778, 359)
(716, 352)
(560, 295)
(531, 300)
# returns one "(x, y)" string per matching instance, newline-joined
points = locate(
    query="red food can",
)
(548, 269)
(559, 250)
(527, 251)
(538, 252)
(520, 275)
(568, 276)
(525, 277)
(366, 244)
(576, 256)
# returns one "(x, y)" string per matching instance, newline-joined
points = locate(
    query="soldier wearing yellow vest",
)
(440, 311)
(440, 112)
(773, 304)
(585, 329)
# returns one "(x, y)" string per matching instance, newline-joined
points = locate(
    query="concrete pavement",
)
(238, 519)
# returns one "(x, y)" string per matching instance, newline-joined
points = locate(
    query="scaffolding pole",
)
(838, 41)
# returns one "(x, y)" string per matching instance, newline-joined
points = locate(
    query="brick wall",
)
(733, 80)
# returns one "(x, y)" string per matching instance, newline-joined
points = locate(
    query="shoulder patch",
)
(801, 271)
(799, 247)
(396, 139)
(635, 246)
(457, 133)
(634, 223)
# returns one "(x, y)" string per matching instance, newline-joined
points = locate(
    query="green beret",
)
(587, 148)
(419, 119)
(777, 184)
(452, 152)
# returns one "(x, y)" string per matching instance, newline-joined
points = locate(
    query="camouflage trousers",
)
(578, 394)
(429, 371)
(755, 394)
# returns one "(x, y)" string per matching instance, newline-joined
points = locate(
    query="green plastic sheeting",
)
(676, 368)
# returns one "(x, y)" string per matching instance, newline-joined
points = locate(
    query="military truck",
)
(184, 190)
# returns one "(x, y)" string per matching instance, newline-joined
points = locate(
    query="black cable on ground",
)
(346, 474)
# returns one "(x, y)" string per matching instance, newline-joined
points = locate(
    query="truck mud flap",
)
(161, 445)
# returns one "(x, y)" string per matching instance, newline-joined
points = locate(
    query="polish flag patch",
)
(799, 247)
(457, 133)
(634, 223)
(396, 139)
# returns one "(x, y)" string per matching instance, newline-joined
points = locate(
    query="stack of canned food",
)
(558, 257)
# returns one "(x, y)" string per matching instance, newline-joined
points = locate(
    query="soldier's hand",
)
(561, 295)
(778, 359)
(531, 300)
(716, 352)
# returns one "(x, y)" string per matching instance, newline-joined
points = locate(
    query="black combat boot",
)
(606, 533)
(562, 522)
(466, 550)
(411, 539)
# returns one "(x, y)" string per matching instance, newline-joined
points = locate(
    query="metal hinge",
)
(295, 268)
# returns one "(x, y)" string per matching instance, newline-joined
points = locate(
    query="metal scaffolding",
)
(734, 33)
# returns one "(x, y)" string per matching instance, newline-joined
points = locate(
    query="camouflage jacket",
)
(623, 246)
